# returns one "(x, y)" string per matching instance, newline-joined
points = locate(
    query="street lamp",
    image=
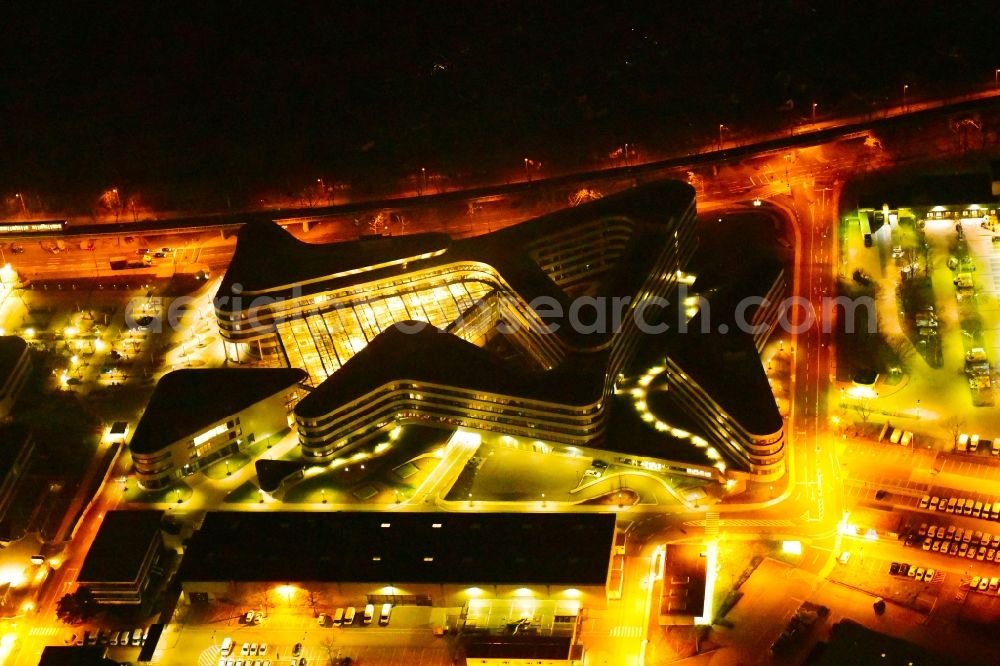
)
(721, 127)
(996, 79)
(423, 180)
(814, 113)
(905, 88)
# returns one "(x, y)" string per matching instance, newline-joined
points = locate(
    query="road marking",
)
(44, 631)
(626, 631)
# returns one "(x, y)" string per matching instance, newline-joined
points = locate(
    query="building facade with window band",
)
(199, 417)
(428, 329)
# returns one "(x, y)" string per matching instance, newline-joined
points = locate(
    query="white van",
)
(227, 646)
(996, 446)
(894, 437)
(963, 442)
(973, 443)
(906, 439)
(383, 617)
(349, 615)
(995, 511)
(338, 617)
(369, 613)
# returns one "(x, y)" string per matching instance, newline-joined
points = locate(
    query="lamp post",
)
(527, 170)
(996, 78)
(721, 127)
(905, 88)
(423, 180)
(814, 113)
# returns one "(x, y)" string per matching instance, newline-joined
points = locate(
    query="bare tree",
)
(379, 223)
(260, 595)
(902, 348)
(863, 406)
(314, 601)
(111, 202)
(329, 646)
(583, 195)
(953, 426)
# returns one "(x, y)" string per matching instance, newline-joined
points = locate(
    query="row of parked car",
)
(345, 617)
(962, 506)
(985, 584)
(916, 573)
(952, 540)
(228, 653)
(135, 637)
(967, 444)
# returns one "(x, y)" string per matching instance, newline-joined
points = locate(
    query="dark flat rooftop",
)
(186, 401)
(269, 258)
(628, 434)
(118, 551)
(489, 548)
(420, 352)
(11, 350)
(855, 644)
(73, 655)
(728, 367)
(13, 439)
(733, 262)
(556, 648)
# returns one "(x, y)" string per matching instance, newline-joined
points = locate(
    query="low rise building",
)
(122, 563)
(197, 417)
(16, 448)
(514, 584)
(15, 364)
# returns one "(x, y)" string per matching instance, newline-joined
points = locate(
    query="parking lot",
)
(407, 640)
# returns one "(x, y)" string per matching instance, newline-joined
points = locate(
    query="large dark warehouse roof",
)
(494, 548)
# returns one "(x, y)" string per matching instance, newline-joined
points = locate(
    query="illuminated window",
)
(209, 434)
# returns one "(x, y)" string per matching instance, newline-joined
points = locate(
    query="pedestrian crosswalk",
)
(712, 524)
(738, 522)
(626, 631)
(44, 631)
